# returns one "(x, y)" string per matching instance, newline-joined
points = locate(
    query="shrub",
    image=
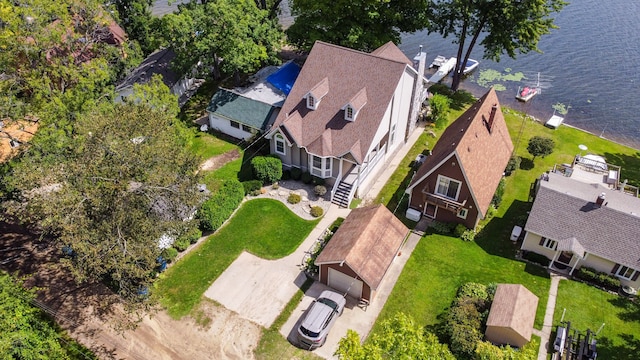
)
(294, 198)
(217, 209)
(286, 174)
(473, 290)
(306, 177)
(439, 109)
(267, 169)
(464, 340)
(599, 278)
(513, 165)
(459, 230)
(192, 235)
(536, 258)
(251, 186)
(316, 211)
(275, 186)
(181, 244)
(540, 146)
(296, 173)
(317, 180)
(497, 197)
(442, 227)
(320, 190)
(256, 192)
(169, 254)
(468, 235)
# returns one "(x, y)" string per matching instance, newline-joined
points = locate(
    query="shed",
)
(512, 315)
(239, 116)
(361, 251)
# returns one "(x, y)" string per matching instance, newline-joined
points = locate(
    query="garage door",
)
(345, 283)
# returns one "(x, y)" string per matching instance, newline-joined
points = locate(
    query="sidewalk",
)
(547, 326)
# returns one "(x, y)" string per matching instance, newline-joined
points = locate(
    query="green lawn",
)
(207, 145)
(588, 308)
(264, 227)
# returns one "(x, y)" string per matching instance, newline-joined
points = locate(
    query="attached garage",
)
(512, 314)
(359, 254)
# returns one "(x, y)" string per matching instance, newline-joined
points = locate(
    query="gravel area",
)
(284, 188)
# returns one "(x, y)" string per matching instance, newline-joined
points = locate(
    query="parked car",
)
(319, 319)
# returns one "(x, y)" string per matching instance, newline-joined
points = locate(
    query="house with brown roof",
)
(347, 113)
(456, 183)
(361, 251)
(512, 314)
(578, 222)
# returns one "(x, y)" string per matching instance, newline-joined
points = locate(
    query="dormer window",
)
(311, 102)
(315, 95)
(355, 104)
(348, 113)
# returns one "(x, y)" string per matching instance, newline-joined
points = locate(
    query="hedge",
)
(267, 169)
(251, 186)
(215, 211)
(599, 278)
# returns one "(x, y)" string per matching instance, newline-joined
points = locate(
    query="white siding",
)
(224, 126)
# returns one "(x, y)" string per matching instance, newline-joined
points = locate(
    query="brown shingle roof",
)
(514, 307)
(483, 154)
(392, 52)
(367, 242)
(325, 132)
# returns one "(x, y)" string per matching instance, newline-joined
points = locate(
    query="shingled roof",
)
(324, 132)
(483, 154)
(367, 241)
(229, 105)
(563, 210)
(513, 307)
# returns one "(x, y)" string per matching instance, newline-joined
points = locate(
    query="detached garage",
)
(512, 314)
(356, 259)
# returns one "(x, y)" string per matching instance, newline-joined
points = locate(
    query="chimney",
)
(600, 200)
(492, 117)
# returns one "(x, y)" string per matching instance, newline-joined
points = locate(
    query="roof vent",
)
(600, 200)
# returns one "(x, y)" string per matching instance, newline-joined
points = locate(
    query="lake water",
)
(591, 65)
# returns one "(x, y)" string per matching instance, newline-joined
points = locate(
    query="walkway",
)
(547, 327)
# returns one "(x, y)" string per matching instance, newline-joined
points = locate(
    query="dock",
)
(443, 70)
(554, 122)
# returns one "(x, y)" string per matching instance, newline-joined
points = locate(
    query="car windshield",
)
(330, 303)
(308, 332)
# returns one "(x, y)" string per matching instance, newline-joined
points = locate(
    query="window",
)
(235, 124)
(448, 187)
(320, 166)
(548, 243)
(246, 128)
(348, 113)
(462, 213)
(280, 149)
(311, 102)
(625, 272)
(392, 137)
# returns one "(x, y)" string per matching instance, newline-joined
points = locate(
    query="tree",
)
(508, 26)
(26, 333)
(540, 146)
(125, 182)
(231, 36)
(399, 338)
(440, 105)
(363, 25)
(136, 19)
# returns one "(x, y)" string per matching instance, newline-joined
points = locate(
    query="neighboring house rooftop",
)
(14, 133)
(565, 209)
(232, 106)
(271, 84)
(367, 241)
(324, 131)
(158, 62)
(481, 140)
(513, 307)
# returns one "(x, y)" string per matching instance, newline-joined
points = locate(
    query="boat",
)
(438, 61)
(443, 70)
(470, 65)
(526, 93)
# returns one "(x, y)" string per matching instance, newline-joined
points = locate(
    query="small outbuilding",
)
(361, 251)
(512, 315)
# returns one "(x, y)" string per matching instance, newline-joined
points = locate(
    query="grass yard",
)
(588, 308)
(206, 145)
(270, 237)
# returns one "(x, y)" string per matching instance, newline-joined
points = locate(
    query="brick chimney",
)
(600, 200)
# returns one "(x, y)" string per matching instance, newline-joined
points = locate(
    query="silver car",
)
(318, 320)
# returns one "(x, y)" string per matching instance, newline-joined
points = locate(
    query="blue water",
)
(592, 64)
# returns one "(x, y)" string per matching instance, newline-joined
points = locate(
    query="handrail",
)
(335, 185)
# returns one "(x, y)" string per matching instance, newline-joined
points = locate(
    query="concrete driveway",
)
(359, 319)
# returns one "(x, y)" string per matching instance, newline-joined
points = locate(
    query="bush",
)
(513, 165)
(316, 211)
(267, 169)
(181, 244)
(217, 209)
(275, 186)
(306, 177)
(294, 198)
(540, 146)
(497, 197)
(251, 186)
(296, 173)
(169, 254)
(536, 258)
(459, 230)
(464, 340)
(320, 190)
(442, 227)
(193, 235)
(318, 180)
(439, 110)
(286, 174)
(473, 290)
(599, 278)
(468, 235)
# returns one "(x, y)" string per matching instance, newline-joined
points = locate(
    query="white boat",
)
(470, 65)
(554, 122)
(438, 61)
(443, 70)
(526, 93)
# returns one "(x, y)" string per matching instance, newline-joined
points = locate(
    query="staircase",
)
(341, 195)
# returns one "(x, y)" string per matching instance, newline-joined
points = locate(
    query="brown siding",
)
(324, 277)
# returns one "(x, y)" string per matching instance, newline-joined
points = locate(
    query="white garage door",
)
(345, 283)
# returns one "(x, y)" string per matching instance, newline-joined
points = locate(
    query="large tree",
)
(362, 25)
(126, 183)
(136, 19)
(505, 26)
(230, 36)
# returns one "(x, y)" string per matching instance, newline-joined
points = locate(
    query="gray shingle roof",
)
(603, 231)
(232, 106)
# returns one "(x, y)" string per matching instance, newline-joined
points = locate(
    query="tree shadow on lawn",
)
(630, 311)
(494, 237)
(628, 350)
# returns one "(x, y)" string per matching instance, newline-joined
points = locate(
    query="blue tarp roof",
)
(284, 78)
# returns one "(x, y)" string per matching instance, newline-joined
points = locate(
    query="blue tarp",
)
(284, 78)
